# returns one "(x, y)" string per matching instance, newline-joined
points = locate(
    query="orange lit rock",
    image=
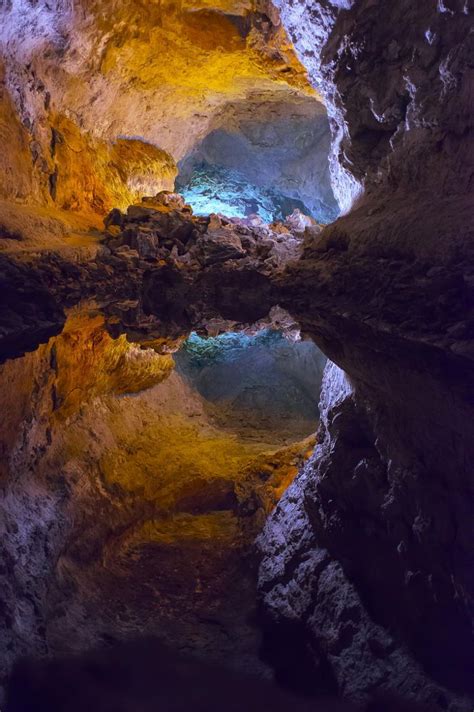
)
(91, 174)
(144, 501)
(108, 97)
(16, 159)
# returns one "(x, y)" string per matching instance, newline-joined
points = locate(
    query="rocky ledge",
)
(159, 272)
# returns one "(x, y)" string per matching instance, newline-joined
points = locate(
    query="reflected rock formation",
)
(184, 492)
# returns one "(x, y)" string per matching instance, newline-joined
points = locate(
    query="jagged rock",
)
(140, 213)
(303, 583)
(390, 482)
(219, 245)
(146, 244)
(174, 201)
(115, 217)
(107, 147)
(298, 222)
(170, 224)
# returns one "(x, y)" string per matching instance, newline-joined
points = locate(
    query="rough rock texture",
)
(387, 492)
(273, 144)
(396, 83)
(378, 525)
(98, 100)
(157, 271)
(337, 522)
(369, 554)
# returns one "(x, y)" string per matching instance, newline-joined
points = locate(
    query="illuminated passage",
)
(217, 189)
(265, 380)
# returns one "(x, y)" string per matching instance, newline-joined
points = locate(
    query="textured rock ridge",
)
(325, 530)
(396, 83)
(386, 292)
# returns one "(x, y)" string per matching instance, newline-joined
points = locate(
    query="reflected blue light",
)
(225, 347)
(259, 376)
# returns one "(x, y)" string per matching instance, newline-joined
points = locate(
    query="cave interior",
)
(236, 356)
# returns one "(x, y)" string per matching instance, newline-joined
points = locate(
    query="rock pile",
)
(163, 228)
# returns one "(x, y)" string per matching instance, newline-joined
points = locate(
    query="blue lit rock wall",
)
(265, 377)
(276, 151)
(216, 189)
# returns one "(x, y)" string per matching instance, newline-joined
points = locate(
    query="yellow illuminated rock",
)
(98, 102)
(96, 175)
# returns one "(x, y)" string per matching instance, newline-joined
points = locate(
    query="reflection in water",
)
(133, 490)
(263, 380)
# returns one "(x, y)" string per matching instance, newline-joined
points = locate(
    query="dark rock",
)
(145, 243)
(243, 295)
(29, 313)
(115, 217)
(166, 294)
(219, 246)
(140, 213)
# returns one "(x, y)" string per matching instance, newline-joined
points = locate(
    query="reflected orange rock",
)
(156, 497)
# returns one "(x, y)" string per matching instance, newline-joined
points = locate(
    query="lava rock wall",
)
(282, 145)
(101, 98)
(370, 550)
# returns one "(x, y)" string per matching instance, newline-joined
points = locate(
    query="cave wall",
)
(396, 84)
(105, 103)
(17, 182)
(271, 142)
(370, 550)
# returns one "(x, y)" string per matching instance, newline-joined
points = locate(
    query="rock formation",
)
(366, 561)
(97, 106)
(376, 528)
(272, 143)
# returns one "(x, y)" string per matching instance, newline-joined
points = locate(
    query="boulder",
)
(220, 245)
(298, 221)
(165, 198)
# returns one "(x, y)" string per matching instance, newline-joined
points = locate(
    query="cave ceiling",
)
(99, 100)
(111, 287)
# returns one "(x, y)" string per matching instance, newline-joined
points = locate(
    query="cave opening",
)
(266, 156)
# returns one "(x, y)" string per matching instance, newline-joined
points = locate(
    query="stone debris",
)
(163, 228)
